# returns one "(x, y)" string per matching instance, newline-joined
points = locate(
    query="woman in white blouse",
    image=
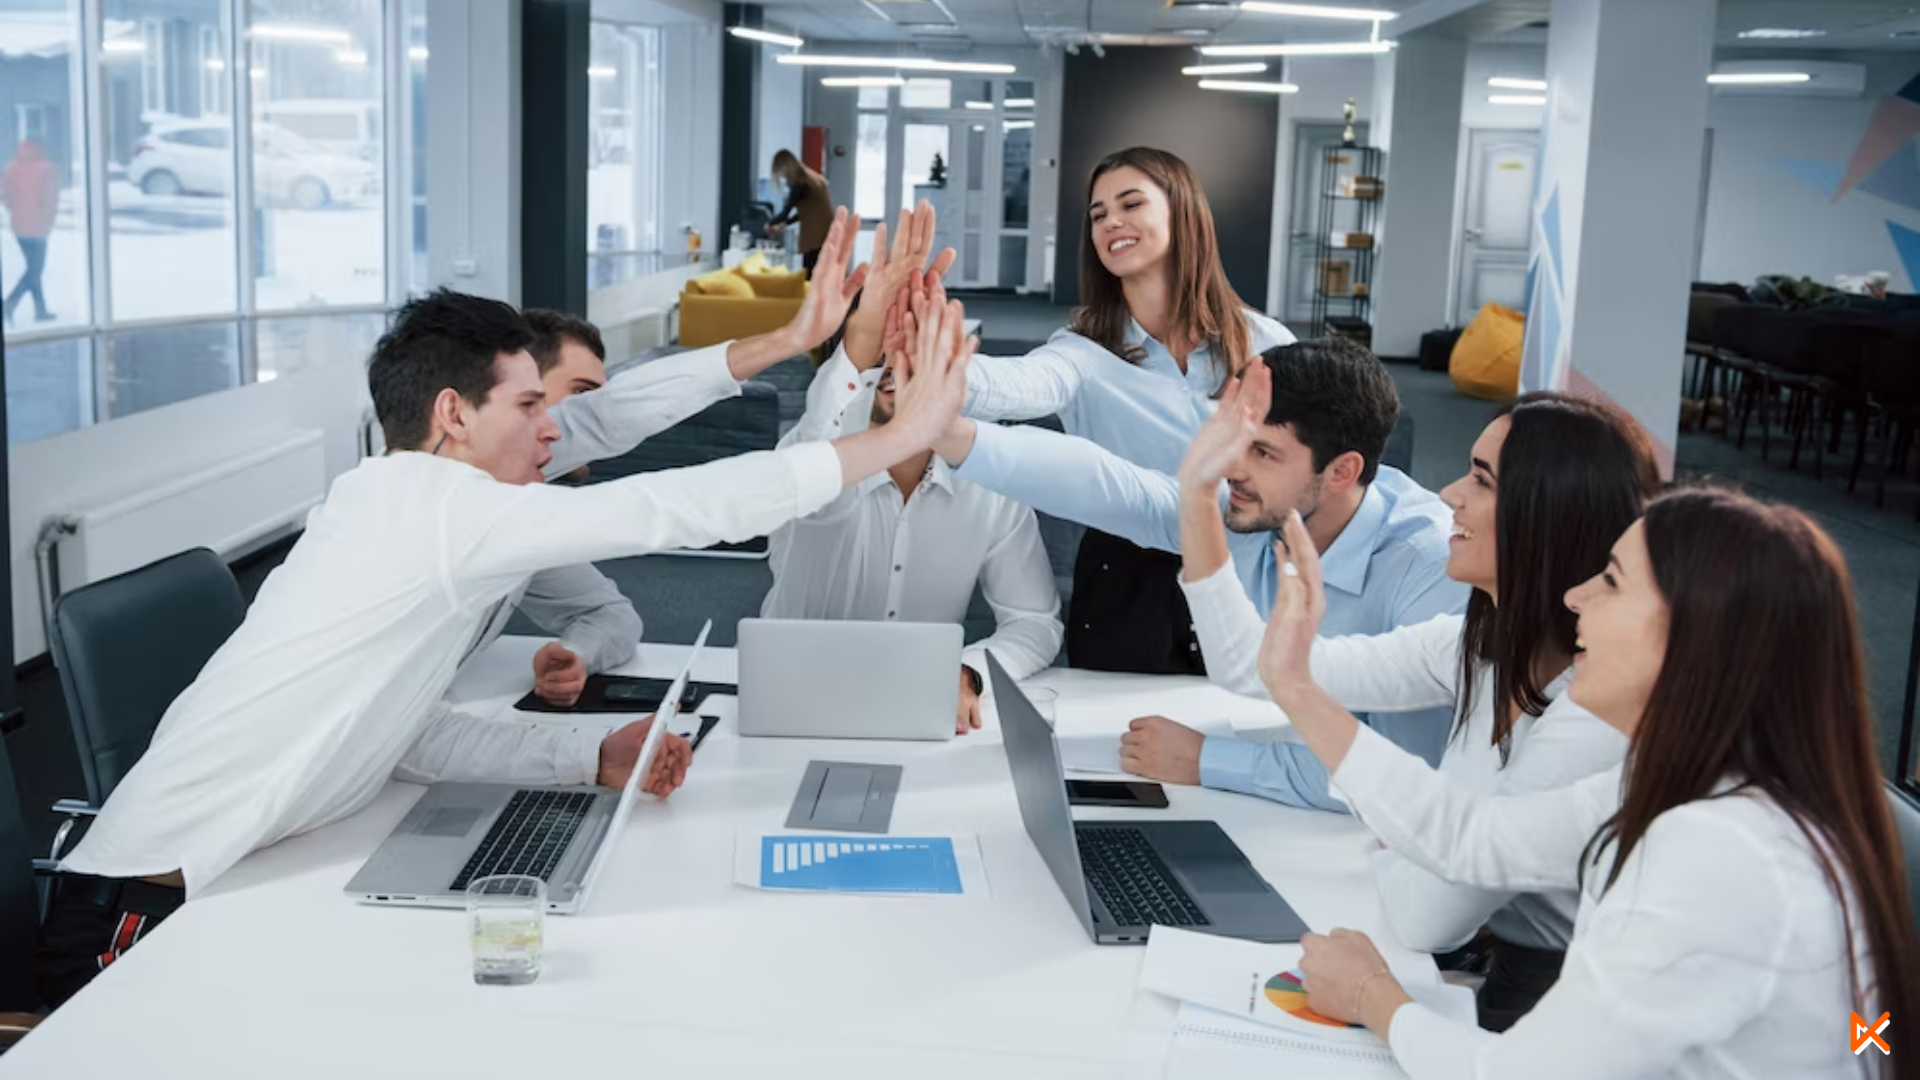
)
(1550, 484)
(1740, 877)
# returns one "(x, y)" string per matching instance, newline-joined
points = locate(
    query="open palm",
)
(833, 287)
(1223, 440)
(1300, 603)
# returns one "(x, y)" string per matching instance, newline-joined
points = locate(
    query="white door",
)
(1310, 143)
(1496, 230)
(960, 195)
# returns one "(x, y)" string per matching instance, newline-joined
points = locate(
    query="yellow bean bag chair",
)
(1486, 359)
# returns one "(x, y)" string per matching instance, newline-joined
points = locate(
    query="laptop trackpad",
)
(450, 821)
(1219, 876)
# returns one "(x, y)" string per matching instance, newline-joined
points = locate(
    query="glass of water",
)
(1044, 701)
(506, 916)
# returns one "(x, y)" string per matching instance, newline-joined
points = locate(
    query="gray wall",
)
(1137, 97)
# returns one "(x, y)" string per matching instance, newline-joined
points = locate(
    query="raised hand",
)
(1297, 609)
(832, 289)
(1223, 440)
(892, 272)
(930, 376)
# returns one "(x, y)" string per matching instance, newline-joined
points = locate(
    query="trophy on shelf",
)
(1352, 113)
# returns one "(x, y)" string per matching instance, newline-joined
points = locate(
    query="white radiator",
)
(227, 506)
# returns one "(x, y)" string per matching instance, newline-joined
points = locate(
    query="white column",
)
(1417, 94)
(1616, 212)
(473, 146)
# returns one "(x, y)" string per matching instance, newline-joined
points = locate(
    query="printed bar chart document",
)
(943, 865)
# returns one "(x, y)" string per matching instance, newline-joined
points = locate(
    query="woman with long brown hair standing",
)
(1157, 334)
(1741, 883)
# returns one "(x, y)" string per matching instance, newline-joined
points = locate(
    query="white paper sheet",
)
(1099, 751)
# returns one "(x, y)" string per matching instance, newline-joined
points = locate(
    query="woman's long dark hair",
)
(1764, 683)
(1204, 308)
(1572, 475)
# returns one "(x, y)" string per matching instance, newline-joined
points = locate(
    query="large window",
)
(623, 153)
(176, 169)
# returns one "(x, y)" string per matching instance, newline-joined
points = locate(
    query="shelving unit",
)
(1355, 214)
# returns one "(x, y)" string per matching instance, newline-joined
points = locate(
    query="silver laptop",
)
(1122, 877)
(802, 678)
(458, 833)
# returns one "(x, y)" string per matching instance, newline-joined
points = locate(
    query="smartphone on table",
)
(1135, 794)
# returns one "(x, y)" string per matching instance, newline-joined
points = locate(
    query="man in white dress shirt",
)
(909, 544)
(336, 681)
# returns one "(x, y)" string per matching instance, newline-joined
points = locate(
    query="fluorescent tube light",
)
(285, 32)
(1758, 78)
(1357, 48)
(1317, 11)
(1253, 68)
(1770, 33)
(1016, 125)
(1517, 84)
(863, 80)
(1249, 87)
(981, 106)
(767, 36)
(900, 63)
(1019, 103)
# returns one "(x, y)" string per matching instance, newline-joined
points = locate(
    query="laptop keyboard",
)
(1129, 877)
(529, 836)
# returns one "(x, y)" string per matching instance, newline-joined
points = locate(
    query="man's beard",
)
(1258, 518)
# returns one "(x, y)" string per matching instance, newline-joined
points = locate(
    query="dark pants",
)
(1128, 613)
(91, 922)
(1516, 976)
(808, 261)
(34, 250)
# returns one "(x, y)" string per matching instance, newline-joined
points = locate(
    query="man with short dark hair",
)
(1382, 537)
(336, 680)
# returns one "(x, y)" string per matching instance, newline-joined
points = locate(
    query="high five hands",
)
(897, 272)
(1225, 438)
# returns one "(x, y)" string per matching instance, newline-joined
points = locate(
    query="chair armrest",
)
(74, 809)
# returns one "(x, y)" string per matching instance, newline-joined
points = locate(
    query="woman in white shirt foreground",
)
(1741, 880)
(1550, 484)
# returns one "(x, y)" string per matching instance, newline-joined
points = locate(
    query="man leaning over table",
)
(336, 680)
(910, 544)
(1383, 537)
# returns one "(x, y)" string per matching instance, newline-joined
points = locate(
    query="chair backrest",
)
(19, 902)
(127, 646)
(1906, 819)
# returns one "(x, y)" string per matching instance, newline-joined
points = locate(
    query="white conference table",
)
(673, 970)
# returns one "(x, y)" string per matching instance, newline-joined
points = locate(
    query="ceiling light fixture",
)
(1515, 99)
(1774, 33)
(1758, 78)
(767, 36)
(983, 106)
(863, 80)
(1357, 48)
(284, 32)
(1019, 103)
(1254, 68)
(902, 63)
(1249, 87)
(1017, 125)
(1517, 84)
(1317, 11)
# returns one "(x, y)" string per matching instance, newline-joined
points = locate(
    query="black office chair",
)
(19, 911)
(125, 648)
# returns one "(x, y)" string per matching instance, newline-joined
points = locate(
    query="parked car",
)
(195, 157)
(348, 127)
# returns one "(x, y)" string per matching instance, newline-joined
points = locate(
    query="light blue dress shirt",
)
(1146, 412)
(1386, 569)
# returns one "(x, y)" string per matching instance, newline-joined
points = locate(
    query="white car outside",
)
(196, 158)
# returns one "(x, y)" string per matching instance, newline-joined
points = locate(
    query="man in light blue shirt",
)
(1383, 538)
